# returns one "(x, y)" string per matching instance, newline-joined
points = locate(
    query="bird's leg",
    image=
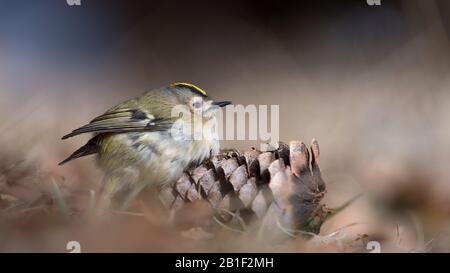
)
(109, 184)
(132, 195)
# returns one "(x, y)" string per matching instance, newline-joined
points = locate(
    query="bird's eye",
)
(197, 104)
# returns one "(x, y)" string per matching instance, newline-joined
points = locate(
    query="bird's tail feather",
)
(89, 148)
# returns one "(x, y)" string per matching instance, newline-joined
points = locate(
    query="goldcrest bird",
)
(150, 140)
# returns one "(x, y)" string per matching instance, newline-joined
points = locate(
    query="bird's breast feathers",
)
(155, 153)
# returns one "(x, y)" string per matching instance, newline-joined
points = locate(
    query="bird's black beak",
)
(222, 103)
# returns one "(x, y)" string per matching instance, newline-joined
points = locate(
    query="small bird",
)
(151, 139)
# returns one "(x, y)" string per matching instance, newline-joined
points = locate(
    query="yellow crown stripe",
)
(184, 84)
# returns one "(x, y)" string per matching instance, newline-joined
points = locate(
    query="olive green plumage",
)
(141, 142)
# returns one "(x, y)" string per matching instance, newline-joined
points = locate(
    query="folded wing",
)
(121, 121)
(116, 121)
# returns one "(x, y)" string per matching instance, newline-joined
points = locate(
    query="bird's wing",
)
(121, 121)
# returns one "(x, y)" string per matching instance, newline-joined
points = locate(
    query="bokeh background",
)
(371, 83)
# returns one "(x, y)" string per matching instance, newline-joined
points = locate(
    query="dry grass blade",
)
(335, 211)
(57, 196)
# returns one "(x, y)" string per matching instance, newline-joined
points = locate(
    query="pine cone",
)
(279, 188)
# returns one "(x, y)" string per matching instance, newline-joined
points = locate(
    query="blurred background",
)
(371, 83)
